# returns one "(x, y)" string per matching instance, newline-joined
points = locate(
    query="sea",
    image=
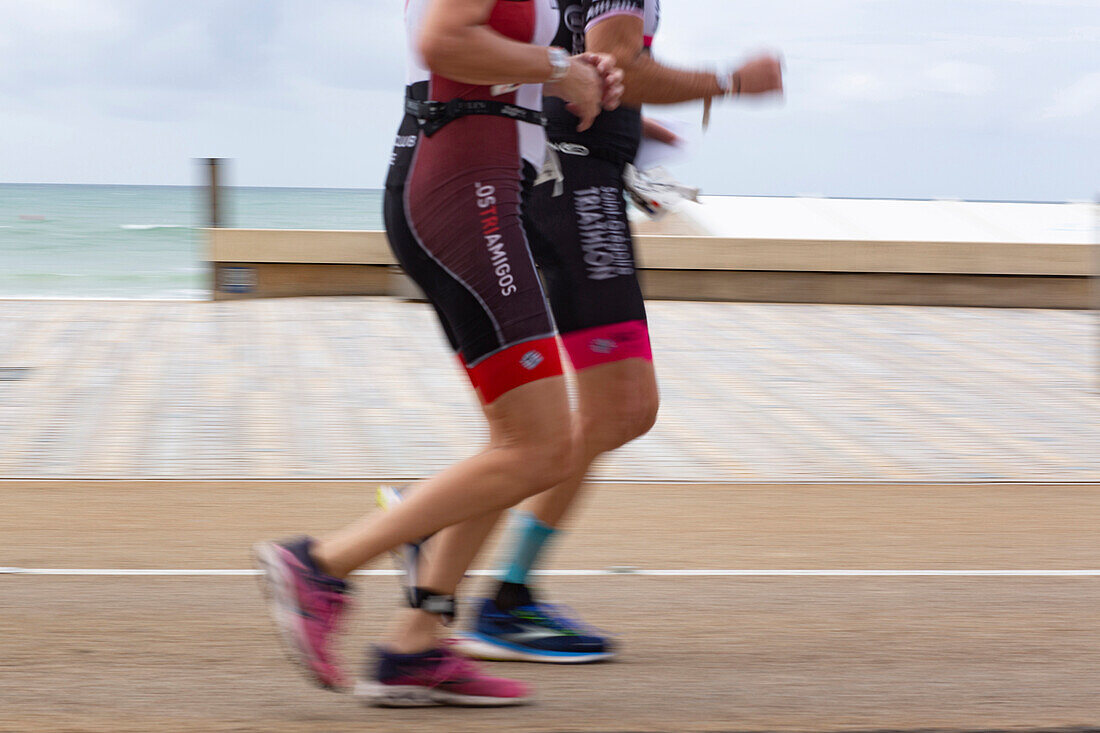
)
(144, 242)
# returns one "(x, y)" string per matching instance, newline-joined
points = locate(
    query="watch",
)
(559, 62)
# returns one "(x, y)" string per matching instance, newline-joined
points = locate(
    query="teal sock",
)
(528, 537)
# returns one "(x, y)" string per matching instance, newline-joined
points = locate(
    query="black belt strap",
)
(432, 116)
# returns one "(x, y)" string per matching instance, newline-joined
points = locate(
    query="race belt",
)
(433, 116)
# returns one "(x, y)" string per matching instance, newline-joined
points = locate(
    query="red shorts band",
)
(515, 366)
(591, 347)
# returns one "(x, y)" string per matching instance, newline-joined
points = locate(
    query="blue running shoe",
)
(539, 632)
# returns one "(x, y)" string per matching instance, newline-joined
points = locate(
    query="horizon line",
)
(738, 195)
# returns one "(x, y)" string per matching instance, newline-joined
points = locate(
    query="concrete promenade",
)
(364, 388)
(943, 650)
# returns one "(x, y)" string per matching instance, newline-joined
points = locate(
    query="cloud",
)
(308, 92)
(959, 78)
(894, 80)
(343, 43)
(862, 86)
(142, 52)
(1079, 99)
(137, 45)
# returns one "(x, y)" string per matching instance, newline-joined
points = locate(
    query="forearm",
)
(647, 81)
(480, 55)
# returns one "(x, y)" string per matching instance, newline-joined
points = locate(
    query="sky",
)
(971, 99)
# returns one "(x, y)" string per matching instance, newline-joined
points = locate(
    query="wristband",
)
(730, 84)
(725, 83)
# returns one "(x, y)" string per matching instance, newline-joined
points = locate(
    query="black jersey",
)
(578, 16)
(614, 134)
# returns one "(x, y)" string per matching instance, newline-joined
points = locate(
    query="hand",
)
(583, 89)
(656, 131)
(760, 75)
(612, 77)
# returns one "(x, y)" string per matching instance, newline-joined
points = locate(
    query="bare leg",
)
(530, 449)
(617, 403)
(451, 553)
(443, 564)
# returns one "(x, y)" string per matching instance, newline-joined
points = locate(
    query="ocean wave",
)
(147, 227)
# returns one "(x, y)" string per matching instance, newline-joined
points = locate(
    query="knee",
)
(542, 463)
(554, 459)
(617, 425)
(646, 417)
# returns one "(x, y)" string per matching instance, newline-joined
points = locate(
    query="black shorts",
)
(582, 243)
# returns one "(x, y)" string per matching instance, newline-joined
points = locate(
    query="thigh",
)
(468, 251)
(581, 240)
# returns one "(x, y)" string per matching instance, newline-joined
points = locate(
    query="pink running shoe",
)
(437, 677)
(306, 605)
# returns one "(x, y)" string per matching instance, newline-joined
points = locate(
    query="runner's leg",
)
(582, 243)
(469, 253)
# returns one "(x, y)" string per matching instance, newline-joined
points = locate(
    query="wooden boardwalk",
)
(363, 388)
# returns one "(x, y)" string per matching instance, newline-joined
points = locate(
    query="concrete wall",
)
(250, 263)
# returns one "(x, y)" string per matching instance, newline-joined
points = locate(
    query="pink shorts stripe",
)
(591, 347)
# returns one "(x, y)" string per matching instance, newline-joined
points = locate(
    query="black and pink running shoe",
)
(307, 606)
(436, 677)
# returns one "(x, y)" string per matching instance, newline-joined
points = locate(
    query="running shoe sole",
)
(379, 695)
(278, 588)
(480, 646)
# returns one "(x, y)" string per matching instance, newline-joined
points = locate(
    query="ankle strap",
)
(430, 602)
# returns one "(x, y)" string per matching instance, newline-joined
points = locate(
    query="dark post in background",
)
(214, 205)
(212, 170)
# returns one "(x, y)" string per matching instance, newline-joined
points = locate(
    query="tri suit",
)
(454, 211)
(579, 233)
(467, 224)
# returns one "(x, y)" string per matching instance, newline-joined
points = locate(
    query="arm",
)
(656, 131)
(455, 42)
(649, 82)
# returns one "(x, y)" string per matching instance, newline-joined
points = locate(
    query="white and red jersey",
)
(529, 21)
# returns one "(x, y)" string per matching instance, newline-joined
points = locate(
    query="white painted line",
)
(868, 573)
(699, 573)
